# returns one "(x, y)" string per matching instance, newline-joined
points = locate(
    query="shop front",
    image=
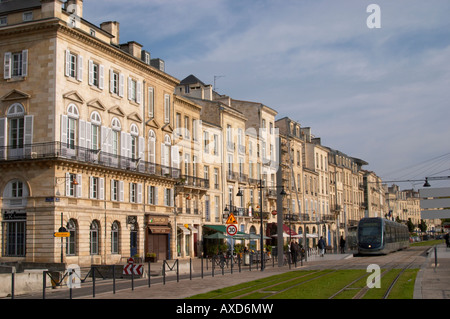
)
(158, 236)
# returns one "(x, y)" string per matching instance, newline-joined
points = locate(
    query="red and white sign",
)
(131, 268)
(232, 230)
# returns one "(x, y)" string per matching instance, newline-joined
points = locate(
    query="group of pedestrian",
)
(322, 246)
(295, 250)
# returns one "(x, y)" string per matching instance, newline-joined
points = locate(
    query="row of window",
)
(135, 89)
(94, 238)
(74, 186)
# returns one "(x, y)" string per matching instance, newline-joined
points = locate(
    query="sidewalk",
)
(433, 280)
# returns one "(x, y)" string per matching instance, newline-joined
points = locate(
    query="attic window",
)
(28, 16)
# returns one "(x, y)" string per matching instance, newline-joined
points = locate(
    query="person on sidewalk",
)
(321, 245)
(342, 244)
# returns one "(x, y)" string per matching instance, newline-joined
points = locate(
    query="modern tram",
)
(379, 236)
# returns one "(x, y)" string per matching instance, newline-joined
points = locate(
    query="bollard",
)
(190, 268)
(93, 281)
(435, 256)
(149, 274)
(114, 279)
(201, 260)
(13, 272)
(44, 273)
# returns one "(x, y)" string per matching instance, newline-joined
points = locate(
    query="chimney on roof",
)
(133, 48)
(75, 6)
(51, 8)
(112, 27)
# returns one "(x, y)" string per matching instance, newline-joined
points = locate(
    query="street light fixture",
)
(260, 186)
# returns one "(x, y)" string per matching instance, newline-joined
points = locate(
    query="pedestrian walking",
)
(321, 245)
(447, 240)
(342, 244)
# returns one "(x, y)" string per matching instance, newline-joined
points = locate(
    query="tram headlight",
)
(370, 246)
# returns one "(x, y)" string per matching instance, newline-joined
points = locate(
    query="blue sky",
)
(377, 94)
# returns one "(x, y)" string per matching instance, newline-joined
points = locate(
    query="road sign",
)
(130, 268)
(61, 234)
(231, 219)
(232, 230)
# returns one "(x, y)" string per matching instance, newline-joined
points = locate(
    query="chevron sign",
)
(129, 269)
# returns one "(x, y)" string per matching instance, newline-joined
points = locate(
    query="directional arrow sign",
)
(61, 234)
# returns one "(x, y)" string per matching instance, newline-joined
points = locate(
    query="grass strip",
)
(323, 287)
(404, 288)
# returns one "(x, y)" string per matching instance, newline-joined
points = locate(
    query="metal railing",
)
(59, 150)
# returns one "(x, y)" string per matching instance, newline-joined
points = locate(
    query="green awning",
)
(221, 228)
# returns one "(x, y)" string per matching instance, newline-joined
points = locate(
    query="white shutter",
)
(171, 198)
(91, 72)
(151, 150)
(82, 134)
(79, 188)
(67, 184)
(156, 196)
(139, 193)
(63, 128)
(101, 76)
(80, 68)
(3, 130)
(24, 62)
(175, 161)
(111, 81)
(121, 84)
(139, 92)
(130, 189)
(67, 71)
(163, 155)
(123, 144)
(129, 88)
(88, 135)
(141, 149)
(105, 136)
(91, 187)
(7, 66)
(28, 134)
(121, 191)
(112, 190)
(101, 188)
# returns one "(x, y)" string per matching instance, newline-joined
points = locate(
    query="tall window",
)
(94, 238)
(151, 102)
(116, 128)
(166, 108)
(115, 238)
(95, 131)
(15, 64)
(16, 126)
(72, 240)
(74, 65)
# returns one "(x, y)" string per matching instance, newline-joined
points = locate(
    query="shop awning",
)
(184, 230)
(159, 229)
(289, 231)
(221, 228)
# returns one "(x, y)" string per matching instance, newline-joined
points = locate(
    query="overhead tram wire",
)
(423, 168)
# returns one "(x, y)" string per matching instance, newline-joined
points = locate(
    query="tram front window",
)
(370, 233)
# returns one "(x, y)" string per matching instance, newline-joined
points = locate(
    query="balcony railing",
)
(195, 182)
(59, 150)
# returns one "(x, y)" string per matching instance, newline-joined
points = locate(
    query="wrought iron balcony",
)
(193, 182)
(58, 150)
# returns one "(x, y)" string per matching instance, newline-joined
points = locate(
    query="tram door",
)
(133, 243)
